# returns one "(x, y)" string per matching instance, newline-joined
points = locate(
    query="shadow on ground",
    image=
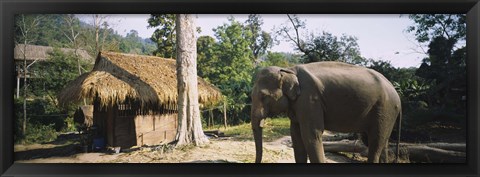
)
(212, 161)
(65, 145)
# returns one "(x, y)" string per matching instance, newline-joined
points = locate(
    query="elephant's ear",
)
(289, 84)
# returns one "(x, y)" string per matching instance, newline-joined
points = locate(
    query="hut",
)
(134, 98)
(34, 53)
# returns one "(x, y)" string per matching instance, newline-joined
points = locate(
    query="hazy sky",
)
(380, 37)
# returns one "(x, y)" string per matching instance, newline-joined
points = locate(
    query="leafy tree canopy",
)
(429, 26)
(444, 68)
(227, 63)
(259, 40)
(320, 47)
(164, 35)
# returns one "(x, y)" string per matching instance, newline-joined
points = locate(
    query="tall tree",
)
(132, 43)
(207, 57)
(444, 68)
(327, 47)
(164, 35)
(99, 21)
(226, 62)
(429, 26)
(285, 32)
(71, 33)
(320, 47)
(234, 65)
(276, 59)
(26, 25)
(260, 40)
(190, 125)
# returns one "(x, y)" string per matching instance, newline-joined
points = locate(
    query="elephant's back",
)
(348, 91)
(326, 67)
(343, 73)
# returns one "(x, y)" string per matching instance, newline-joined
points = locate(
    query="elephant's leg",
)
(384, 156)
(297, 142)
(313, 144)
(376, 144)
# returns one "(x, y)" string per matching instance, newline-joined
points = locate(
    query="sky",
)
(380, 36)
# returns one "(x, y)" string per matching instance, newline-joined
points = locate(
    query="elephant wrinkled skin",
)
(326, 96)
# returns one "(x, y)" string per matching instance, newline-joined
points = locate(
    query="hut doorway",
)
(124, 131)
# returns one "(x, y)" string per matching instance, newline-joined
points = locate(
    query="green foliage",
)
(392, 73)
(274, 128)
(429, 26)
(57, 72)
(415, 117)
(276, 59)
(411, 90)
(132, 43)
(320, 47)
(164, 35)
(43, 29)
(435, 92)
(43, 121)
(228, 65)
(207, 57)
(38, 133)
(54, 30)
(51, 76)
(383, 67)
(445, 71)
(259, 40)
(327, 47)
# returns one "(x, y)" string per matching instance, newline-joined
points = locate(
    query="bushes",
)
(44, 119)
(38, 133)
(274, 128)
(416, 117)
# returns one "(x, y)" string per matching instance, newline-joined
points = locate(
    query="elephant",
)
(322, 96)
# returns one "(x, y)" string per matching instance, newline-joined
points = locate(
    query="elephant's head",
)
(272, 92)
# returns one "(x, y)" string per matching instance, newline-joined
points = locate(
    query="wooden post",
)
(18, 86)
(210, 119)
(225, 114)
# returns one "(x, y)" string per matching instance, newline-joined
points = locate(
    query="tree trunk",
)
(190, 126)
(24, 125)
(96, 22)
(225, 114)
(25, 29)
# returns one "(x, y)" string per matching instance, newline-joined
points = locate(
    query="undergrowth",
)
(274, 128)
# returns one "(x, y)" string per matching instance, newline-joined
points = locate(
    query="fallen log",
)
(424, 153)
(431, 152)
(327, 136)
(449, 146)
(344, 146)
(214, 133)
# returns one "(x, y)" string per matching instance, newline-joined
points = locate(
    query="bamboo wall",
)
(124, 127)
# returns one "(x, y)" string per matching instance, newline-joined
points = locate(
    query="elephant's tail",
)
(399, 123)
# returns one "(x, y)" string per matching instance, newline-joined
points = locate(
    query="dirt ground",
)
(66, 149)
(218, 150)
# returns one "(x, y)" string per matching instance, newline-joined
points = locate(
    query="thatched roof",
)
(37, 52)
(149, 81)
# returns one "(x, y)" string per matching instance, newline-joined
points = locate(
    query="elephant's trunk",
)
(257, 135)
(257, 127)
